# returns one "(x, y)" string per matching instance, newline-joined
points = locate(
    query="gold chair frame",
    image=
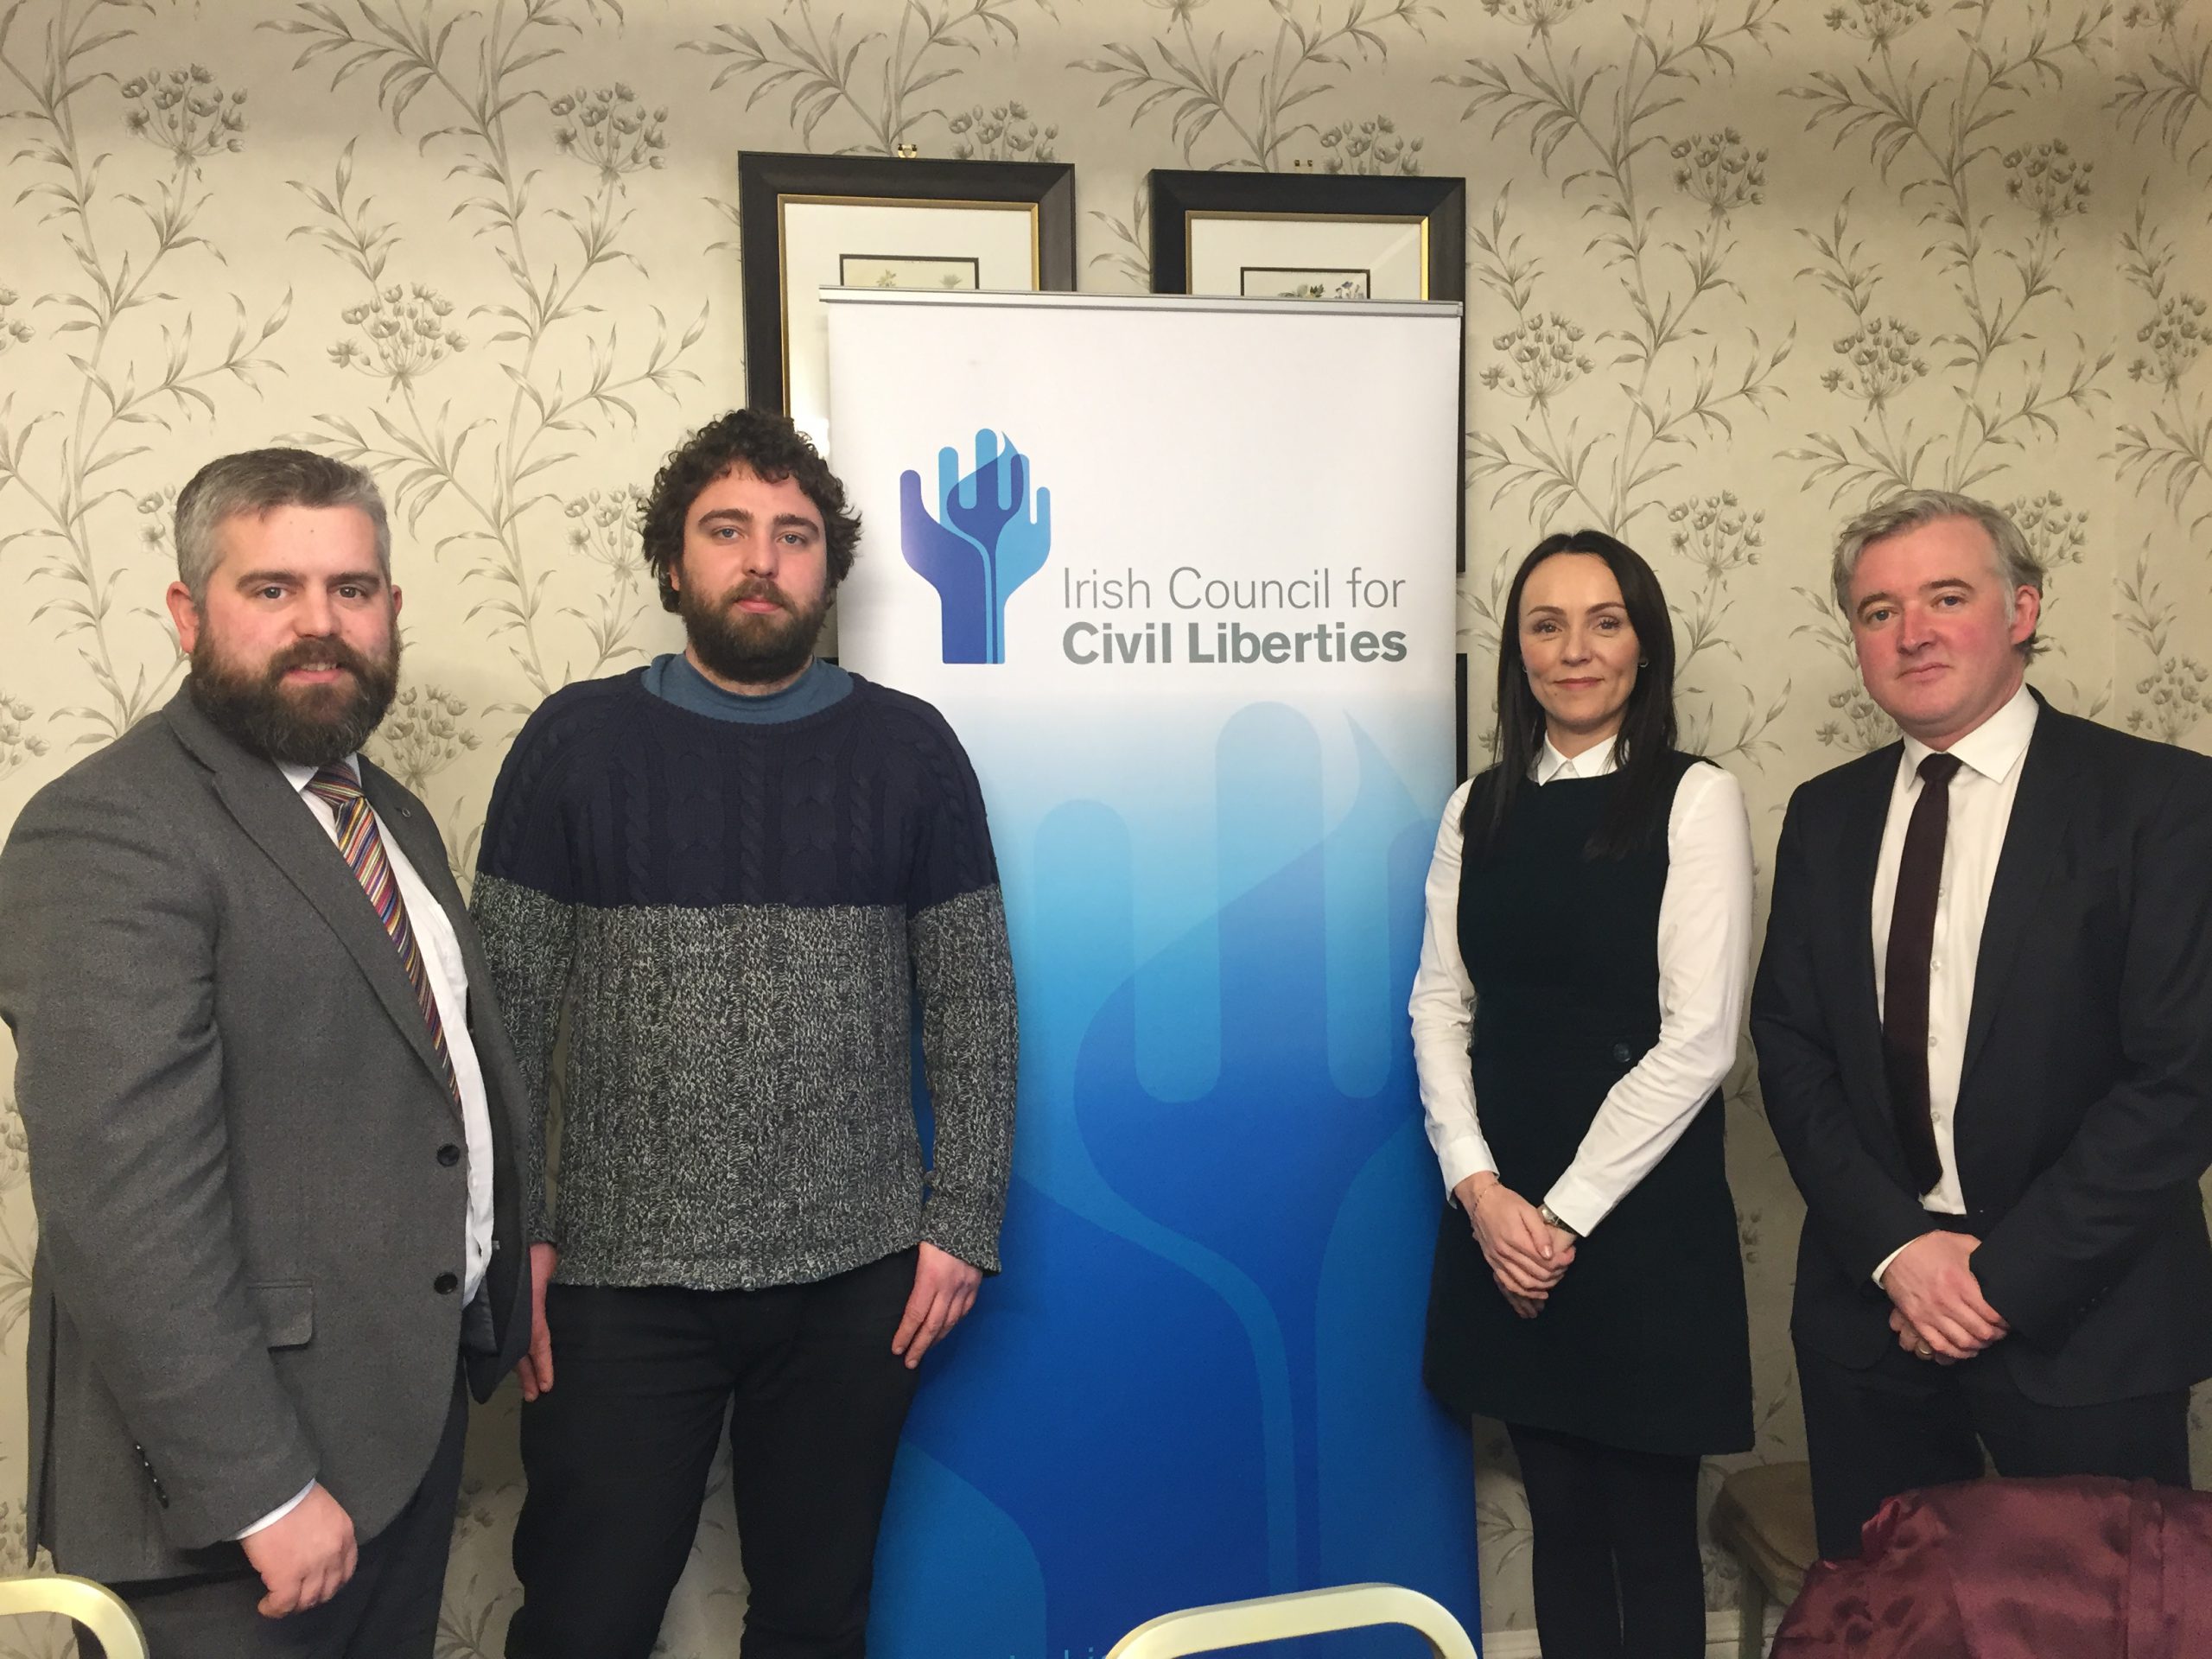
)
(1307, 1612)
(94, 1606)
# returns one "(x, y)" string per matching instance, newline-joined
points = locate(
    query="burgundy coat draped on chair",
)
(2082, 1568)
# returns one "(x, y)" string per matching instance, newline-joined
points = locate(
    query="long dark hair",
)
(1647, 734)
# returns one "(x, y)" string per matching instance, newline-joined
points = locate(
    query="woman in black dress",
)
(1581, 986)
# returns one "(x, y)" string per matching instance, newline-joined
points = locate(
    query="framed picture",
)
(1288, 282)
(922, 270)
(1309, 236)
(811, 222)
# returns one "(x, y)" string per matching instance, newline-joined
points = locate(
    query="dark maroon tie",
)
(1905, 982)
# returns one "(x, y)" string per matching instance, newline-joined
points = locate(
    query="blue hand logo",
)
(983, 542)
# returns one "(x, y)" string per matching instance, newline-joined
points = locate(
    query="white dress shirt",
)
(1982, 790)
(1704, 950)
(448, 977)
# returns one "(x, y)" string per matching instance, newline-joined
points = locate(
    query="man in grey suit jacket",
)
(273, 1116)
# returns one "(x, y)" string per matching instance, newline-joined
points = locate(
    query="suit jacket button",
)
(448, 1155)
(446, 1283)
(1621, 1053)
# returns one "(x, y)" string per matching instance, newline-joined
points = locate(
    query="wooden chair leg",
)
(1751, 1638)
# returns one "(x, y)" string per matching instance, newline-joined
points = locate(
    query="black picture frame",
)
(1178, 196)
(767, 180)
(1460, 735)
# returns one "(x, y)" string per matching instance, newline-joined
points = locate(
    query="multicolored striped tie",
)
(358, 840)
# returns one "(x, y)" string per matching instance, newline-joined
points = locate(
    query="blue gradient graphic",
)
(1198, 1377)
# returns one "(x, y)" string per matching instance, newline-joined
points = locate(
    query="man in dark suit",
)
(1984, 1021)
(272, 1115)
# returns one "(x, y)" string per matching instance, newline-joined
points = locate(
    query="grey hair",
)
(2015, 563)
(254, 481)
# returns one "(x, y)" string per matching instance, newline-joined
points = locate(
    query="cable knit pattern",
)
(734, 922)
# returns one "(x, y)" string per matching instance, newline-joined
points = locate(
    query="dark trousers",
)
(617, 1452)
(387, 1610)
(1904, 1423)
(1614, 1560)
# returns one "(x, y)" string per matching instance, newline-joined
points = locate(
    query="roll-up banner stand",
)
(1179, 572)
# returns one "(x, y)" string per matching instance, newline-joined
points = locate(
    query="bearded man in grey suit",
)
(272, 1114)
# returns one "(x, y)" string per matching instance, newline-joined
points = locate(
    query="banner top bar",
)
(971, 298)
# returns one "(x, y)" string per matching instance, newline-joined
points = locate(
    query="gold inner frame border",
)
(785, 202)
(1191, 218)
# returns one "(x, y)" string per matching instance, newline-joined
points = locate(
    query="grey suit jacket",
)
(251, 1220)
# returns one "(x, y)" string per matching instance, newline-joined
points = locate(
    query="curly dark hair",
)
(774, 449)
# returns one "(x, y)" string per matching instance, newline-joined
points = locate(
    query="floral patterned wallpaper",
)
(1735, 267)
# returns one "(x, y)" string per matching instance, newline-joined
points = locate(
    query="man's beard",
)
(302, 726)
(745, 649)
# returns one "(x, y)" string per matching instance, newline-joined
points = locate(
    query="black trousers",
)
(388, 1608)
(1615, 1565)
(1904, 1423)
(617, 1453)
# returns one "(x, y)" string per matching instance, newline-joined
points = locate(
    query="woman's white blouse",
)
(1704, 949)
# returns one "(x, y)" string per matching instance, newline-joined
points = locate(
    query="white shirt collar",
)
(1993, 747)
(300, 776)
(1594, 762)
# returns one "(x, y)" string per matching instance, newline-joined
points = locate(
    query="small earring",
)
(1643, 661)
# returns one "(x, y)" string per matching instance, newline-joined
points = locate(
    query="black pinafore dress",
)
(1645, 1344)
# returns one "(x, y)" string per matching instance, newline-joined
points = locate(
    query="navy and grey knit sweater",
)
(735, 920)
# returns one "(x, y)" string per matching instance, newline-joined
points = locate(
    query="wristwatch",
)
(1550, 1216)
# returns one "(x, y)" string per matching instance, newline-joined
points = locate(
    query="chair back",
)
(1307, 1612)
(94, 1606)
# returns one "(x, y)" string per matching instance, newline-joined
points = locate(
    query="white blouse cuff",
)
(1578, 1204)
(1462, 1157)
